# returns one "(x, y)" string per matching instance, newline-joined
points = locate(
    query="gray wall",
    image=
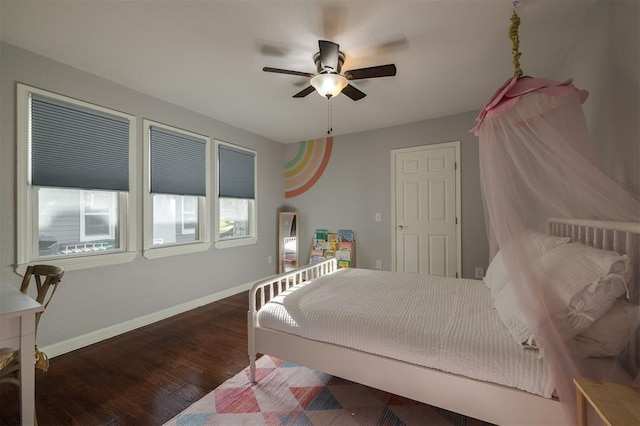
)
(92, 299)
(604, 59)
(357, 183)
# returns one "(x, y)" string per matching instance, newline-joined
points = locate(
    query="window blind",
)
(236, 173)
(178, 163)
(77, 147)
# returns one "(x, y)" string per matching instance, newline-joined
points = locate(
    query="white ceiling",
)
(207, 56)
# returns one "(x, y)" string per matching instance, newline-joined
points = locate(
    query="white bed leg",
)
(251, 345)
(252, 367)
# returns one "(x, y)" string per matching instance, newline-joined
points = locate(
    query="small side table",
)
(18, 331)
(616, 404)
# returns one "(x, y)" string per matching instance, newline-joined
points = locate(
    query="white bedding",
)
(443, 323)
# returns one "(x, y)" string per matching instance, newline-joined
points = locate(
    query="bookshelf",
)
(340, 244)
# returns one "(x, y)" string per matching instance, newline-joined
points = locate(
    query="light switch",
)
(378, 217)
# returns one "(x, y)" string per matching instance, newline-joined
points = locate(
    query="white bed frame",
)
(482, 400)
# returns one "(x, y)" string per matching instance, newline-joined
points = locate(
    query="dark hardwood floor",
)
(144, 377)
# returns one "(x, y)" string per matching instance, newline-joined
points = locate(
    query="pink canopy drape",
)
(537, 162)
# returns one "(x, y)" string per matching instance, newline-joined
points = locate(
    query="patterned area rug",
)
(288, 394)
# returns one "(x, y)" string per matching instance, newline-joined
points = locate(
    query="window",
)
(72, 221)
(75, 162)
(177, 181)
(189, 215)
(98, 219)
(236, 200)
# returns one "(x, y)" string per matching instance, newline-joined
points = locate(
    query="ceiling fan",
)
(328, 82)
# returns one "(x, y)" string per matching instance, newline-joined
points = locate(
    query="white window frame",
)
(111, 214)
(253, 210)
(203, 240)
(27, 194)
(185, 213)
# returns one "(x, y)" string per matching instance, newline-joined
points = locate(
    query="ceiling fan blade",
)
(329, 53)
(353, 93)
(281, 71)
(272, 49)
(305, 92)
(371, 72)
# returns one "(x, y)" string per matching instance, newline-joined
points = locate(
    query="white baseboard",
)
(115, 330)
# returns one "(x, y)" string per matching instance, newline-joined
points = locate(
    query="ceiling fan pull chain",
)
(330, 117)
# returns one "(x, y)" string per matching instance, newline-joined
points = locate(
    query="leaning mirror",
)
(288, 237)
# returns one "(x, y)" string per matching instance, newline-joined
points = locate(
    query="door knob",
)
(400, 227)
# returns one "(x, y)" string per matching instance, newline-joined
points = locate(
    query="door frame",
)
(394, 152)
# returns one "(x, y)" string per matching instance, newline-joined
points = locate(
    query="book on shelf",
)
(322, 234)
(345, 245)
(332, 245)
(319, 244)
(329, 253)
(344, 264)
(332, 237)
(317, 252)
(345, 235)
(343, 255)
(317, 259)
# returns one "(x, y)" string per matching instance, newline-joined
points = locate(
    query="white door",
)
(427, 209)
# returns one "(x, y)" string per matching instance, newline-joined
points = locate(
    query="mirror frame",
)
(286, 221)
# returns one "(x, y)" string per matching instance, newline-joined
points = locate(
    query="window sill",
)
(237, 242)
(82, 262)
(177, 250)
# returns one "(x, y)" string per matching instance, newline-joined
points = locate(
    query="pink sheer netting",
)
(536, 162)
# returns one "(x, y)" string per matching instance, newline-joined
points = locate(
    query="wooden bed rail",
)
(265, 289)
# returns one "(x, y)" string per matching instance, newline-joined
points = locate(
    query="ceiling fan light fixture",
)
(329, 85)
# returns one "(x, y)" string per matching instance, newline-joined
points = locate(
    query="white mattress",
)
(443, 323)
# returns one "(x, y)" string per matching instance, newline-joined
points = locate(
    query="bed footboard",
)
(264, 290)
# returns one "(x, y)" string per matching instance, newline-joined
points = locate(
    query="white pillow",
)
(542, 243)
(582, 282)
(584, 308)
(609, 335)
(572, 267)
(508, 309)
(590, 304)
(497, 276)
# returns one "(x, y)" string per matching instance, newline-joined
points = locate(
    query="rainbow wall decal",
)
(304, 164)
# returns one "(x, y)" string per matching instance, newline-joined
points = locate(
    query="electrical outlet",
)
(378, 264)
(378, 217)
(479, 273)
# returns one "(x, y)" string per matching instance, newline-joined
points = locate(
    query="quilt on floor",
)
(288, 394)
